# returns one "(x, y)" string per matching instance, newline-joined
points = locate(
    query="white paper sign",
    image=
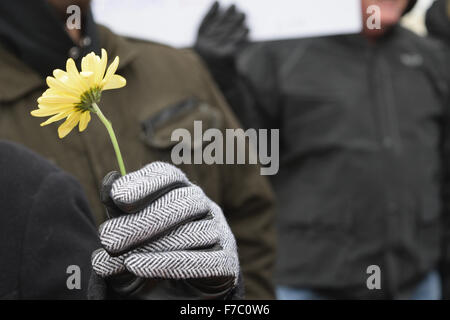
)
(175, 22)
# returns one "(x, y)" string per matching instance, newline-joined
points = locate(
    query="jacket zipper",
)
(391, 136)
(384, 109)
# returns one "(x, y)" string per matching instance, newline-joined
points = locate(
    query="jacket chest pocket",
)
(158, 133)
(157, 129)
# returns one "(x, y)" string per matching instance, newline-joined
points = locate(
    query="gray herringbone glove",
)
(165, 228)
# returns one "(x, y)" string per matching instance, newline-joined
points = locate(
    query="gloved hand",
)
(164, 227)
(221, 33)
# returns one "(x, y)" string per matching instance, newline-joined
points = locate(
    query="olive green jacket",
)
(158, 78)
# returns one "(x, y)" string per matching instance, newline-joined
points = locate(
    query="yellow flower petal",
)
(84, 120)
(61, 86)
(111, 70)
(87, 63)
(74, 75)
(42, 113)
(86, 74)
(57, 117)
(115, 82)
(88, 68)
(52, 92)
(57, 99)
(45, 111)
(58, 73)
(56, 107)
(71, 68)
(63, 77)
(68, 125)
(101, 68)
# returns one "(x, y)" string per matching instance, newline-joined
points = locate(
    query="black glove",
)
(165, 239)
(221, 33)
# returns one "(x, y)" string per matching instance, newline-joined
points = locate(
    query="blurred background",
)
(175, 22)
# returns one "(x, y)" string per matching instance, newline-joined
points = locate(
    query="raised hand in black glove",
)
(165, 240)
(221, 33)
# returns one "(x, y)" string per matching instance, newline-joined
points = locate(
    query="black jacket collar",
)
(32, 31)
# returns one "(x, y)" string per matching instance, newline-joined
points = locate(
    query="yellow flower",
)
(72, 94)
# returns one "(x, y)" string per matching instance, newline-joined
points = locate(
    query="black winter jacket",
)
(45, 227)
(360, 180)
(438, 24)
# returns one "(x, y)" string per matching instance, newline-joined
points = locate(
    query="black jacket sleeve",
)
(249, 83)
(59, 238)
(445, 262)
(47, 233)
(438, 25)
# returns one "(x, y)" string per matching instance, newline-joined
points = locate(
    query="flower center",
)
(89, 97)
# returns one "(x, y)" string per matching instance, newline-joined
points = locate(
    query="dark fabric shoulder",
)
(162, 51)
(428, 46)
(435, 58)
(59, 238)
(21, 175)
(148, 43)
(437, 22)
(20, 162)
(45, 227)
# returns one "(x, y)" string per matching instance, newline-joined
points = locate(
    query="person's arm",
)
(445, 261)
(437, 29)
(222, 43)
(59, 237)
(222, 33)
(46, 229)
(445, 147)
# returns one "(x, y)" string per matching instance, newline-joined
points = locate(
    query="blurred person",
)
(438, 25)
(438, 20)
(166, 89)
(362, 123)
(48, 236)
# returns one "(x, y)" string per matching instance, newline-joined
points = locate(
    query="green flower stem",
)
(112, 135)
